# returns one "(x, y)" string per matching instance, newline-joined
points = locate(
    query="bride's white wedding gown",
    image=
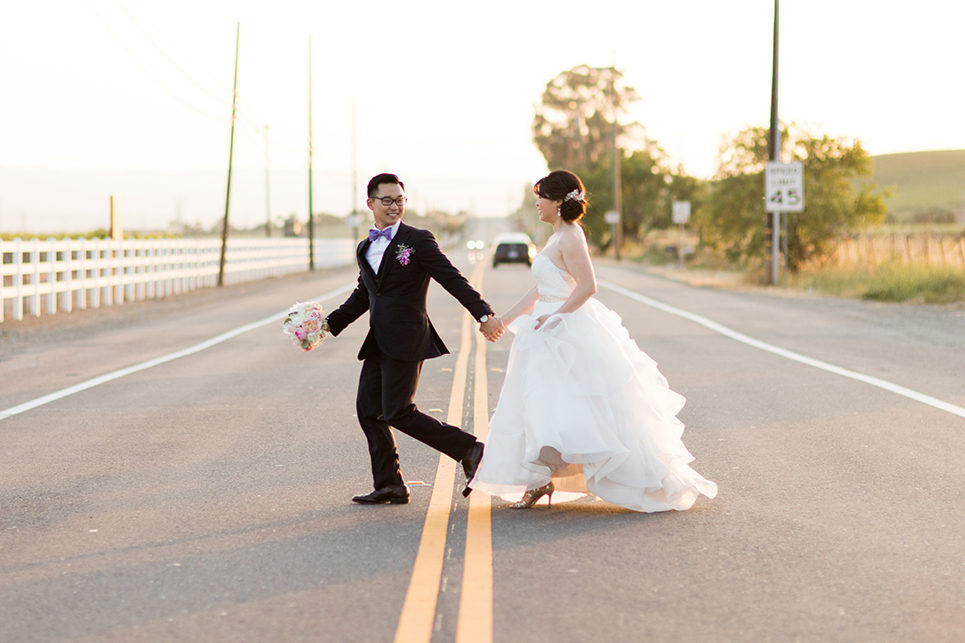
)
(583, 406)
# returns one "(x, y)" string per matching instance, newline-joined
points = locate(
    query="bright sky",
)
(133, 97)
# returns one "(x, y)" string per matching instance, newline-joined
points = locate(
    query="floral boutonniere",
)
(404, 254)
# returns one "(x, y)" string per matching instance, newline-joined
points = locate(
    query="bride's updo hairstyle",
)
(560, 185)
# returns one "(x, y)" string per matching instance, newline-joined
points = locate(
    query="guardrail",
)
(47, 276)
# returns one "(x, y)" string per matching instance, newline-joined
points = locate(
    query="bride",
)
(582, 408)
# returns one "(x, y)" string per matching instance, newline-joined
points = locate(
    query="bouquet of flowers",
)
(305, 324)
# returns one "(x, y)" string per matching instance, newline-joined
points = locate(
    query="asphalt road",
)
(207, 497)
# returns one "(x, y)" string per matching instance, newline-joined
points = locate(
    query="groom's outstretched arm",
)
(353, 308)
(438, 267)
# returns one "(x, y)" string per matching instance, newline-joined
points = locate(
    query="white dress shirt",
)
(377, 248)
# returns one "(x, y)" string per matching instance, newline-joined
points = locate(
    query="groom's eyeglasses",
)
(388, 201)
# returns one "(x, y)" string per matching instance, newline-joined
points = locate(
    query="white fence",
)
(46, 276)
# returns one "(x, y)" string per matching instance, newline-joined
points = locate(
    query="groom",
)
(396, 263)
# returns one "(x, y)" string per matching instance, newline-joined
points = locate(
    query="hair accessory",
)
(576, 195)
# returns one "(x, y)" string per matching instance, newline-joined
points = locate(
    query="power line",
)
(145, 69)
(254, 124)
(171, 60)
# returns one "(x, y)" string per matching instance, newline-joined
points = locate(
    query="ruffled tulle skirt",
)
(583, 406)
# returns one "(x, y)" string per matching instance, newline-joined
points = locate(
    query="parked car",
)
(514, 247)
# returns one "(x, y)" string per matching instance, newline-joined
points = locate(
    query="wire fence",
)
(870, 251)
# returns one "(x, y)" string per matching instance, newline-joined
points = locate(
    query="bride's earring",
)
(558, 211)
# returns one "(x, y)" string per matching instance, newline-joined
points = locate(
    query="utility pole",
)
(773, 225)
(355, 182)
(267, 189)
(231, 153)
(617, 186)
(311, 219)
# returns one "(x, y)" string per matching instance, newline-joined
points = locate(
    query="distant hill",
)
(922, 182)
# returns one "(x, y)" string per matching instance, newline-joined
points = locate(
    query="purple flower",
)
(404, 254)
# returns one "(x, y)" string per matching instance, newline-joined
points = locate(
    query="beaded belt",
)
(543, 297)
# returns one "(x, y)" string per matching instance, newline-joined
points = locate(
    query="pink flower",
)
(303, 324)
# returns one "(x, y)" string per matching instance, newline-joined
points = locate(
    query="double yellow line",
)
(475, 622)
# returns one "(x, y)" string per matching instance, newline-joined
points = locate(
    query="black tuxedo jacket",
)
(395, 297)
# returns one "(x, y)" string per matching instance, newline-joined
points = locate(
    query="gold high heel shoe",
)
(532, 495)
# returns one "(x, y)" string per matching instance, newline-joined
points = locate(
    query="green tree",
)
(573, 125)
(836, 201)
(645, 185)
(574, 129)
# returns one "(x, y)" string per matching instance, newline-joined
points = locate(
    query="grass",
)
(892, 282)
(921, 180)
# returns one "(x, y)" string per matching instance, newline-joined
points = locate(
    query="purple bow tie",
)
(375, 234)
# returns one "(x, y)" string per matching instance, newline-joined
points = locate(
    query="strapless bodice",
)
(551, 281)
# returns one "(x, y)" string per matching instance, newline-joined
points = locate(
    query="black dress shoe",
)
(392, 495)
(469, 465)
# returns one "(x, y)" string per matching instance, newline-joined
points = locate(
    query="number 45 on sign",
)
(784, 187)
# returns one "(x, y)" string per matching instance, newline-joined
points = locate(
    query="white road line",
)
(791, 355)
(197, 348)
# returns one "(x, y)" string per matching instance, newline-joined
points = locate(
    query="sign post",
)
(783, 192)
(680, 215)
(612, 217)
(353, 220)
(117, 231)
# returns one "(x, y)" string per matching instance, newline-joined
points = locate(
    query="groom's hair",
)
(379, 179)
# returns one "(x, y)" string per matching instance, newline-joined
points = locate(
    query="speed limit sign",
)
(784, 186)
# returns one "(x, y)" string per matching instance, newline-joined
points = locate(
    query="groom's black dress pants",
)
(385, 398)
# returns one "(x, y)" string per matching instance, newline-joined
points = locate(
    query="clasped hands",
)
(493, 328)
